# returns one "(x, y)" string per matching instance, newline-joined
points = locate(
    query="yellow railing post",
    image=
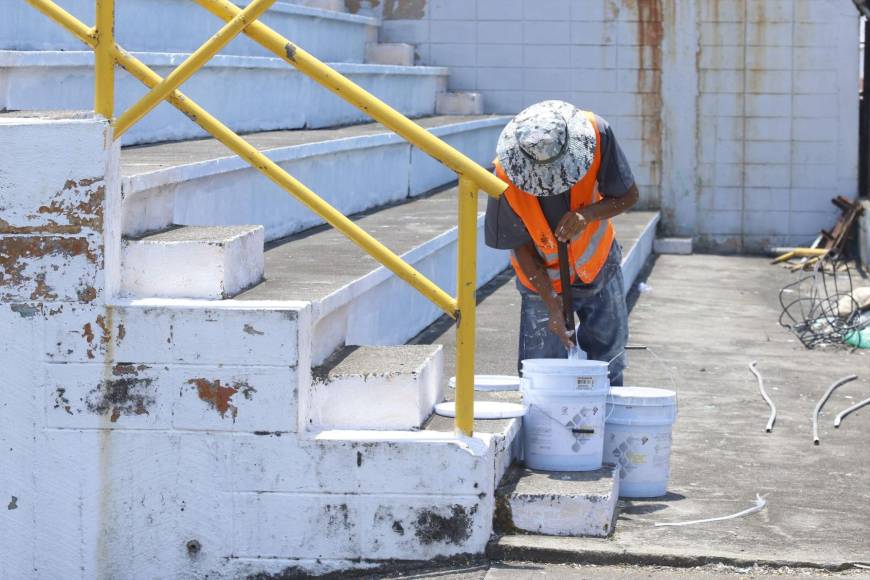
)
(466, 297)
(104, 68)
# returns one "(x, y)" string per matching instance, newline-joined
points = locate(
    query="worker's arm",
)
(573, 223)
(533, 267)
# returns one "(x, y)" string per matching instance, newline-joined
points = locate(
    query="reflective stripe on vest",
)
(589, 251)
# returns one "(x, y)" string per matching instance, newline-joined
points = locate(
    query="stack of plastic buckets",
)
(637, 439)
(564, 427)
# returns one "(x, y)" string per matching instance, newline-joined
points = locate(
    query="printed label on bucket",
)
(640, 457)
(579, 428)
(585, 383)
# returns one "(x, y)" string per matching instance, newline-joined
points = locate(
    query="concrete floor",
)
(708, 317)
(530, 571)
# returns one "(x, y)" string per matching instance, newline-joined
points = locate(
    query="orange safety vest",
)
(589, 251)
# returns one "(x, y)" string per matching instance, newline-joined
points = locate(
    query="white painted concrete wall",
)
(739, 117)
(168, 436)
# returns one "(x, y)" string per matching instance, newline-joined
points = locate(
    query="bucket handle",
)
(659, 360)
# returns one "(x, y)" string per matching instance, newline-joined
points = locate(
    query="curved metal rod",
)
(821, 402)
(764, 394)
(854, 407)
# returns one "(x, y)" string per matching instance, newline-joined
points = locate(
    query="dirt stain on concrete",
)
(13, 504)
(60, 400)
(124, 394)
(432, 527)
(251, 330)
(26, 310)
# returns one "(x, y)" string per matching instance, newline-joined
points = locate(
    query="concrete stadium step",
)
(182, 26)
(333, 5)
(258, 93)
(214, 262)
(396, 53)
(377, 387)
(356, 302)
(558, 503)
(459, 103)
(355, 168)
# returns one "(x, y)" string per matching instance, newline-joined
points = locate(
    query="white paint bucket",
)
(564, 427)
(638, 438)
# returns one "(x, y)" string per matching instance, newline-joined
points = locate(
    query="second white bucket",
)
(564, 427)
(638, 438)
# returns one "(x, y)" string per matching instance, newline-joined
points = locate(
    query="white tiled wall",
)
(779, 110)
(769, 89)
(518, 52)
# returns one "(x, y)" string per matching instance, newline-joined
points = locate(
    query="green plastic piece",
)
(859, 338)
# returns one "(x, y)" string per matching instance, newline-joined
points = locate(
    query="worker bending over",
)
(567, 177)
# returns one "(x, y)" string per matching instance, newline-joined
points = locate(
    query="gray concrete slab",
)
(529, 571)
(379, 361)
(532, 570)
(317, 262)
(205, 234)
(146, 158)
(708, 317)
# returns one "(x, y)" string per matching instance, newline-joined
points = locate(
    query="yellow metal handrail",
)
(472, 176)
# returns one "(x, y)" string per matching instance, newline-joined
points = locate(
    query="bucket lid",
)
(491, 383)
(560, 366)
(484, 410)
(642, 397)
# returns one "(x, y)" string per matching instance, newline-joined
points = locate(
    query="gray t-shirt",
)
(504, 230)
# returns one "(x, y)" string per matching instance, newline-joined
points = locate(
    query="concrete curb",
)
(553, 550)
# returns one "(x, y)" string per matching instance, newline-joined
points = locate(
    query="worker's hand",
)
(556, 322)
(557, 327)
(570, 226)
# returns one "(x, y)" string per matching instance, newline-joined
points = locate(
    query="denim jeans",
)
(603, 329)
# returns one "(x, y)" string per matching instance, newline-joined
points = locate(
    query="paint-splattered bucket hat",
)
(547, 148)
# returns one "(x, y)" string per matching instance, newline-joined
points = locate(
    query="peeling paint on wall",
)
(76, 206)
(25, 262)
(219, 397)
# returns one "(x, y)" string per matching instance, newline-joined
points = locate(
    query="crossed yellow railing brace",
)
(472, 176)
